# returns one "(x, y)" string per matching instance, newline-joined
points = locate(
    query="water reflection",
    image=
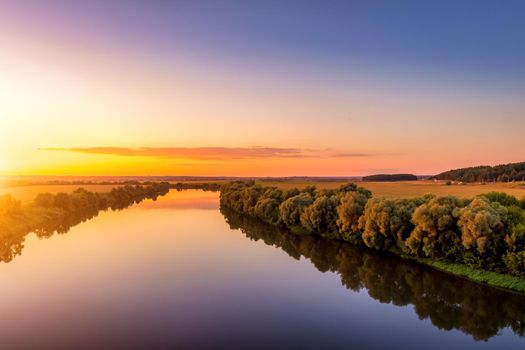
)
(449, 302)
(12, 239)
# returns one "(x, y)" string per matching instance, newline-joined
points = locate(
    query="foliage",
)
(436, 232)
(320, 216)
(9, 205)
(481, 224)
(290, 210)
(57, 213)
(390, 177)
(500, 173)
(502, 198)
(349, 211)
(515, 262)
(386, 222)
(486, 232)
(204, 186)
(446, 301)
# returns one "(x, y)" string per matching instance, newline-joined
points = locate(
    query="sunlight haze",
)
(94, 74)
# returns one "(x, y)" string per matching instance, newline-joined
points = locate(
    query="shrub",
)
(515, 262)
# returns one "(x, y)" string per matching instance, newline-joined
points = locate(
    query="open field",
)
(407, 189)
(404, 189)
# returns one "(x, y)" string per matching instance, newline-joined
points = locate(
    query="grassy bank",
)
(490, 278)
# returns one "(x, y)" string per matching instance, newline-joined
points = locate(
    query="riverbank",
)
(493, 279)
(57, 213)
(482, 239)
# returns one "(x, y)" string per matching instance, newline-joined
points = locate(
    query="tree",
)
(290, 210)
(502, 198)
(321, 215)
(387, 222)
(250, 195)
(349, 211)
(9, 205)
(436, 232)
(390, 177)
(503, 172)
(290, 193)
(481, 224)
(351, 187)
(267, 209)
(45, 200)
(231, 195)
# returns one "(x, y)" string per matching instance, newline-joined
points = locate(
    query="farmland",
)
(408, 189)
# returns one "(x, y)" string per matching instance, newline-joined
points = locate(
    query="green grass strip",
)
(494, 279)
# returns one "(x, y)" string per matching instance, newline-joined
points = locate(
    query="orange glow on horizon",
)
(55, 92)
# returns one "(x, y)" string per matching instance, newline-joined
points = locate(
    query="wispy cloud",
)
(210, 153)
(351, 155)
(199, 153)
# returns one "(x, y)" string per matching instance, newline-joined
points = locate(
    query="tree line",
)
(500, 173)
(204, 186)
(57, 213)
(486, 232)
(390, 177)
(399, 282)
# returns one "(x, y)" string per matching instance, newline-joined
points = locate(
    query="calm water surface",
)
(178, 273)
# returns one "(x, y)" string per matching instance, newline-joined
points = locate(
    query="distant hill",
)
(390, 177)
(499, 173)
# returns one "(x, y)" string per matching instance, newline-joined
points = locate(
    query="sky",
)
(259, 88)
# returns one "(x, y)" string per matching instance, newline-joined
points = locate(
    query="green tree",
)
(501, 198)
(436, 232)
(481, 224)
(387, 222)
(349, 211)
(321, 215)
(267, 209)
(290, 210)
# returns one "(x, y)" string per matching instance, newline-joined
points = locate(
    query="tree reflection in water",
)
(81, 206)
(449, 302)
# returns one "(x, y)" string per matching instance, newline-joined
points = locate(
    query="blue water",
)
(176, 273)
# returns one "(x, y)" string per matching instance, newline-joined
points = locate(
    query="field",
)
(407, 189)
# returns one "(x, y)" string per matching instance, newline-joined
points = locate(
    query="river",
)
(178, 273)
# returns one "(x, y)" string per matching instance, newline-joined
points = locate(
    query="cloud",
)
(212, 153)
(198, 153)
(351, 155)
